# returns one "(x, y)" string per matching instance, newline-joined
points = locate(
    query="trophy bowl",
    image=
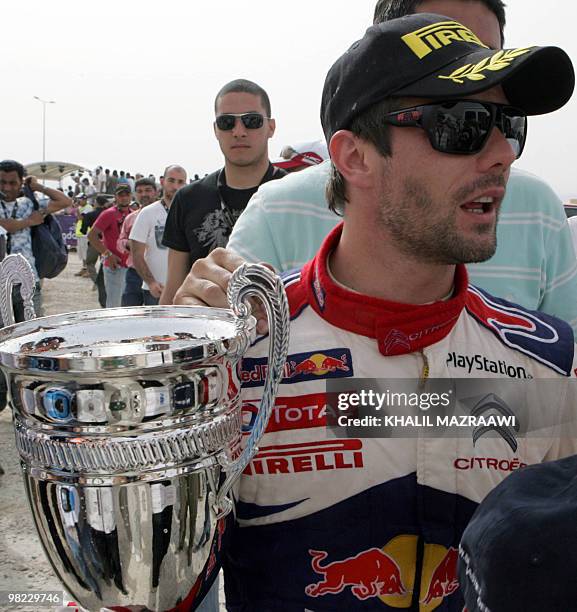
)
(128, 425)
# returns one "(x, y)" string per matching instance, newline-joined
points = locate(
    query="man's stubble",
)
(427, 231)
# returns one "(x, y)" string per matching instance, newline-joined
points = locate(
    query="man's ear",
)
(350, 155)
(271, 127)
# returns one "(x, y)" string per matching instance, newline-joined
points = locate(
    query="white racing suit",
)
(341, 523)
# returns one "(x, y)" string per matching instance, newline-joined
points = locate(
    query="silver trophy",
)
(128, 423)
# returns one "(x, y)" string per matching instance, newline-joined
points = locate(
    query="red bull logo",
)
(444, 580)
(371, 573)
(389, 574)
(319, 365)
(300, 367)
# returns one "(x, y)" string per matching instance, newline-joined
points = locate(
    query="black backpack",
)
(48, 248)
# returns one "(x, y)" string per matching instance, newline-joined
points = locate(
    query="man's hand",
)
(35, 218)
(155, 289)
(207, 282)
(113, 261)
(33, 183)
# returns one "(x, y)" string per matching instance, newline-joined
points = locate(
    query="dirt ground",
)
(23, 564)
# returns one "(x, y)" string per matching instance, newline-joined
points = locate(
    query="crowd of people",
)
(104, 182)
(396, 267)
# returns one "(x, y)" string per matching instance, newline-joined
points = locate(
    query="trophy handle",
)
(15, 270)
(255, 280)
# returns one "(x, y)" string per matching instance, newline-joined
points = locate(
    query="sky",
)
(134, 81)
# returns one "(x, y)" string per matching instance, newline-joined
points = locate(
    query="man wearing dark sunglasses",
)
(203, 214)
(534, 264)
(423, 122)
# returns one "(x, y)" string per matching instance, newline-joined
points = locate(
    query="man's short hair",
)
(245, 86)
(10, 165)
(369, 126)
(173, 167)
(145, 182)
(101, 200)
(385, 10)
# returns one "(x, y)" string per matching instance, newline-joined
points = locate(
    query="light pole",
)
(44, 103)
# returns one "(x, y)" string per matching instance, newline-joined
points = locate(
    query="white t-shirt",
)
(573, 227)
(149, 229)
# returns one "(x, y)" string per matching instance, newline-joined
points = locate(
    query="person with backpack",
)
(18, 214)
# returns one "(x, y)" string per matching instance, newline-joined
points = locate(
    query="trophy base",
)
(153, 545)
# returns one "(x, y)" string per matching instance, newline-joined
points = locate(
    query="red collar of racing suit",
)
(398, 328)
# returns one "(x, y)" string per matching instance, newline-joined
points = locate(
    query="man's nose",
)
(238, 129)
(498, 151)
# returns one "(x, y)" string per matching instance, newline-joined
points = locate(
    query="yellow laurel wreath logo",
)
(474, 72)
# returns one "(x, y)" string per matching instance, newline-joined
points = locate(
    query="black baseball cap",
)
(431, 56)
(519, 551)
(122, 187)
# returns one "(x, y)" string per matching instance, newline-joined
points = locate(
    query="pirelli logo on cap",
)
(439, 35)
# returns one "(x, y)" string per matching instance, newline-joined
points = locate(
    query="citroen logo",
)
(494, 404)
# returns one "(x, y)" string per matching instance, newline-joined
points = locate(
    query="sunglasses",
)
(462, 127)
(251, 121)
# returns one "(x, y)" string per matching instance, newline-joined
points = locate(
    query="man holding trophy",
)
(423, 122)
(129, 424)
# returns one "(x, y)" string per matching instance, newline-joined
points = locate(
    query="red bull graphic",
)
(371, 573)
(301, 367)
(444, 581)
(389, 574)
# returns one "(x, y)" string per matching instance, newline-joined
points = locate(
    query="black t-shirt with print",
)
(203, 213)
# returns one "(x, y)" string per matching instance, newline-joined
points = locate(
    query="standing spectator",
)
(204, 212)
(149, 254)
(92, 254)
(88, 190)
(108, 186)
(103, 237)
(145, 195)
(77, 186)
(99, 180)
(131, 182)
(81, 239)
(112, 182)
(17, 216)
(122, 178)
